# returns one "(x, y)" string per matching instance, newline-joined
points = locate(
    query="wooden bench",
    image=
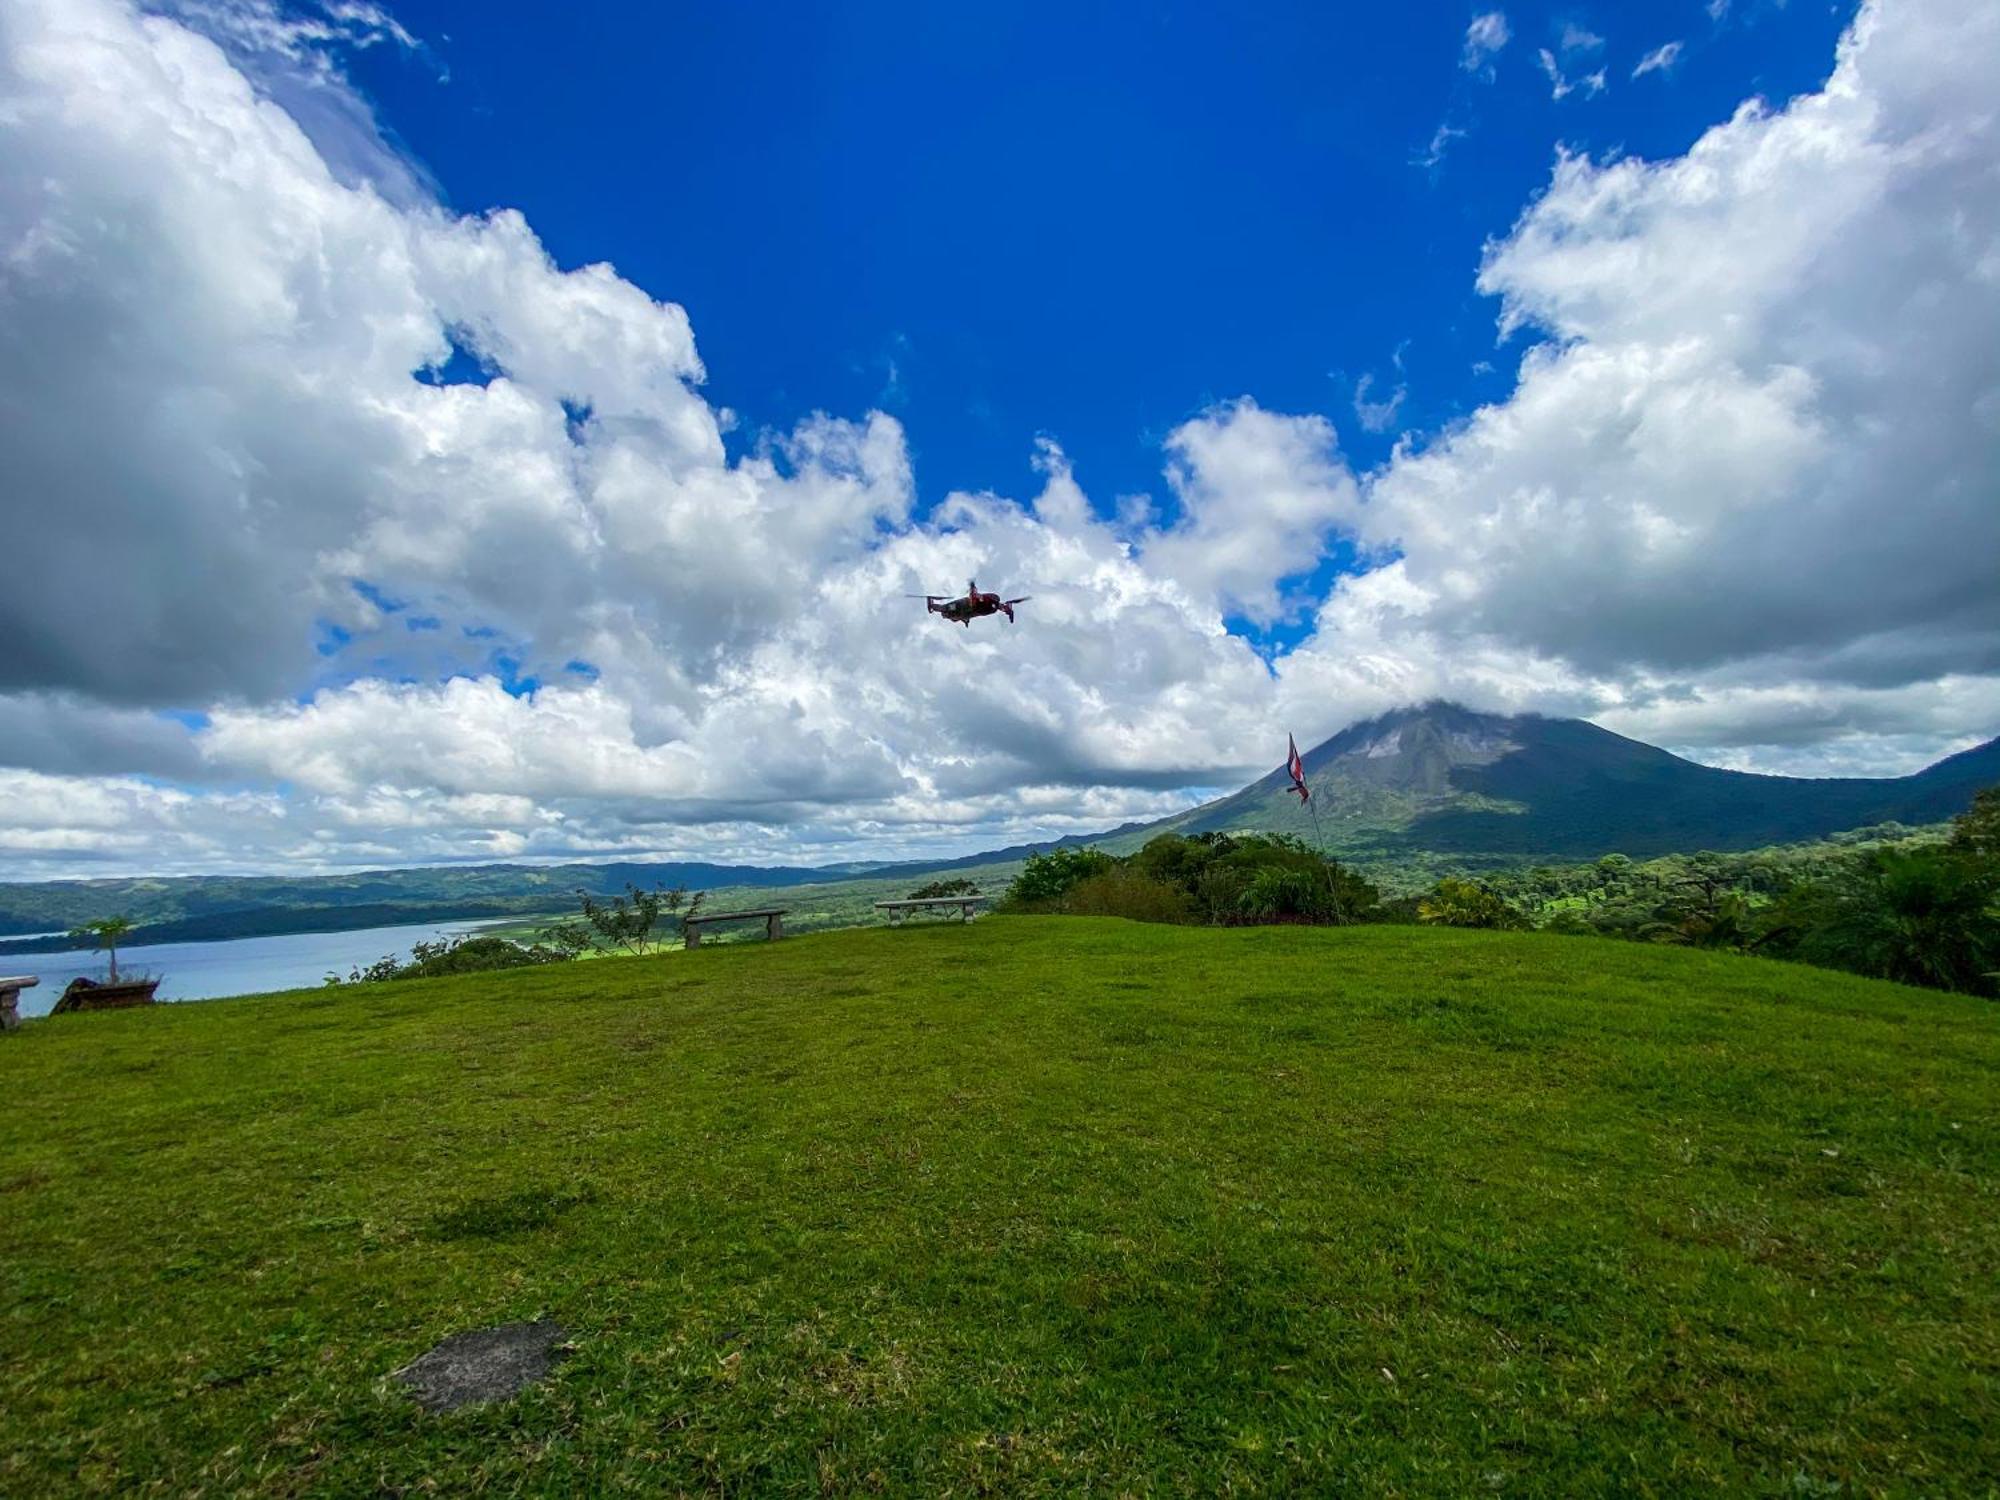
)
(897, 910)
(774, 927)
(10, 998)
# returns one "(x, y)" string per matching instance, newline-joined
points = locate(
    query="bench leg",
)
(775, 929)
(694, 937)
(10, 1009)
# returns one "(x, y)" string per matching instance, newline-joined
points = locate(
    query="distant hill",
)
(195, 908)
(1435, 780)
(1444, 779)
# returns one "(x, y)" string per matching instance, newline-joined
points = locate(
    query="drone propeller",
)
(1022, 600)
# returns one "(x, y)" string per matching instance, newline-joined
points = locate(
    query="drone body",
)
(973, 606)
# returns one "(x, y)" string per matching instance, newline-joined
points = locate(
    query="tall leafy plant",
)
(105, 934)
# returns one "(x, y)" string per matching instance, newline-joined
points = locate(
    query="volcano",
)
(1445, 779)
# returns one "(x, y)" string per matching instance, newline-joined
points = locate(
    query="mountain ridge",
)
(1444, 779)
(1430, 779)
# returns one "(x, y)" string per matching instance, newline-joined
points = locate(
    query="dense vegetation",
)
(1491, 790)
(1408, 799)
(1920, 910)
(1885, 903)
(202, 907)
(639, 922)
(211, 907)
(1030, 1207)
(1212, 877)
(939, 890)
(206, 908)
(464, 953)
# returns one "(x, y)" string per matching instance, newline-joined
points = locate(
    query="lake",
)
(240, 966)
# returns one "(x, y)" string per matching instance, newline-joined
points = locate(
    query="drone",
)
(973, 606)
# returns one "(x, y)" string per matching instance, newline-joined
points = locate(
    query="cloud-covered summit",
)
(347, 529)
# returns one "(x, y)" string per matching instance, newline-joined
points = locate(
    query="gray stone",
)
(10, 999)
(487, 1364)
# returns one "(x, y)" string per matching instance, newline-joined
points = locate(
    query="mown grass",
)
(818, 907)
(1049, 1206)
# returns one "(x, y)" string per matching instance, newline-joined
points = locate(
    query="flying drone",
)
(974, 606)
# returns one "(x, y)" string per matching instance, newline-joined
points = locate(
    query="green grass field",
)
(1053, 1206)
(818, 907)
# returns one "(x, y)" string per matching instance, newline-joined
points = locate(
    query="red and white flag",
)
(1297, 768)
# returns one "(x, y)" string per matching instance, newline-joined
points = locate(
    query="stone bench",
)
(897, 910)
(10, 998)
(774, 927)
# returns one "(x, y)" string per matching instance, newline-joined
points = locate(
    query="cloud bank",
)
(286, 590)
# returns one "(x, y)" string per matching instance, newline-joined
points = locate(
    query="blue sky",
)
(999, 222)
(496, 433)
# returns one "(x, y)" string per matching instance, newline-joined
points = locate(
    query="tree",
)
(1258, 877)
(623, 923)
(1462, 903)
(105, 934)
(1047, 877)
(939, 890)
(1922, 916)
(1975, 832)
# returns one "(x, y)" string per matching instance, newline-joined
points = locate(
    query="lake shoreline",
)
(227, 927)
(226, 968)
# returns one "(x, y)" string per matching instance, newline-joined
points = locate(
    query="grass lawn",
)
(1049, 1206)
(818, 907)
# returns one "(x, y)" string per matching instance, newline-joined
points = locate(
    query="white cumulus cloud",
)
(1659, 60)
(1742, 498)
(1561, 86)
(1484, 38)
(1756, 448)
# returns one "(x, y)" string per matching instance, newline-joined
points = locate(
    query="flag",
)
(1297, 768)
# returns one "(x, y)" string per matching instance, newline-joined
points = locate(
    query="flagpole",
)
(1319, 836)
(1319, 843)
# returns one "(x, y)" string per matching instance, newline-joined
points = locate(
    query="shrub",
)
(1048, 877)
(1258, 878)
(939, 890)
(105, 934)
(623, 924)
(1181, 861)
(1462, 903)
(1923, 917)
(464, 954)
(1975, 832)
(1128, 893)
(1276, 894)
(1273, 877)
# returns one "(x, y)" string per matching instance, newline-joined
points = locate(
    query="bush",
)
(1975, 833)
(627, 923)
(1236, 878)
(1050, 876)
(464, 954)
(939, 890)
(1127, 893)
(1276, 878)
(1887, 901)
(1275, 894)
(1924, 917)
(1462, 903)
